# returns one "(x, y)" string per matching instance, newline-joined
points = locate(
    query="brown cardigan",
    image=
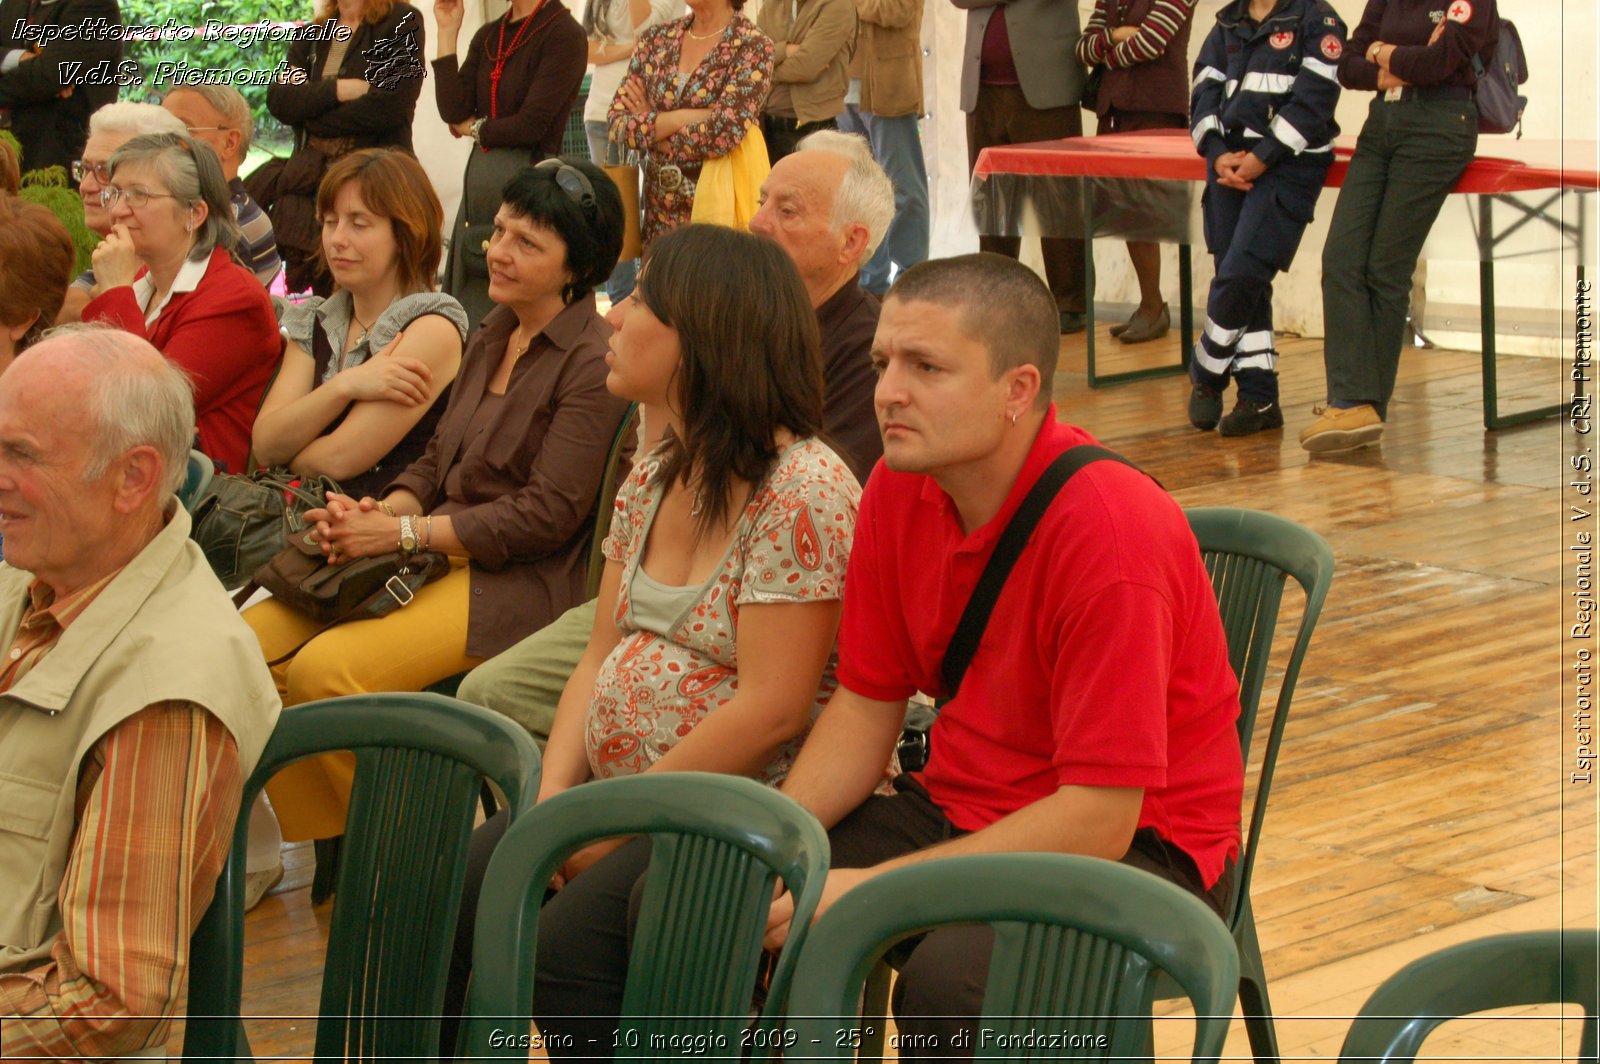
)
(525, 505)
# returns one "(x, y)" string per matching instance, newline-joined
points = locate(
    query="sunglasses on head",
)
(573, 182)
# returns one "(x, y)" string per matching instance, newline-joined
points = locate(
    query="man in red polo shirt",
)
(1098, 713)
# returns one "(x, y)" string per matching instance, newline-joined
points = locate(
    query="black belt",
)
(1433, 92)
(782, 123)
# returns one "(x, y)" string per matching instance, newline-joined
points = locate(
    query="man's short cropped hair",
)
(1000, 302)
(234, 108)
(138, 398)
(866, 195)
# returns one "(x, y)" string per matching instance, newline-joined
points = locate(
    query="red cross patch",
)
(1459, 11)
(1284, 40)
(1332, 46)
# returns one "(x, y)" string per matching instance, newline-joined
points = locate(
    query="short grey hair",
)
(134, 119)
(866, 195)
(193, 174)
(231, 104)
(137, 399)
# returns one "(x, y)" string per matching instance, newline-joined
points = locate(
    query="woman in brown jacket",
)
(506, 487)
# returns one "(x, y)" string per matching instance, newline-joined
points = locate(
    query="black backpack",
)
(1500, 106)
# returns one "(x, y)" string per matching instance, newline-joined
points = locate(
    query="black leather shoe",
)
(1073, 321)
(1247, 419)
(1205, 407)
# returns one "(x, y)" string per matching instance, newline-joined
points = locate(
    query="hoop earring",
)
(1013, 420)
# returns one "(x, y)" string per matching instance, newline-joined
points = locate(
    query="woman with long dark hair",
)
(712, 647)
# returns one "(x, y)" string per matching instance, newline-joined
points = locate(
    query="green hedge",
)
(199, 52)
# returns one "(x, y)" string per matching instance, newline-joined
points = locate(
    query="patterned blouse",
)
(732, 81)
(790, 545)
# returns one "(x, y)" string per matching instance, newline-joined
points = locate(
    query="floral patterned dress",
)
(732, 81)
(791, 545)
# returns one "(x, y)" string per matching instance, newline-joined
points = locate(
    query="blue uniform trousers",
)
(1253, 236)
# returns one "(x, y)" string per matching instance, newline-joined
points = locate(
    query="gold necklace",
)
(719, 31)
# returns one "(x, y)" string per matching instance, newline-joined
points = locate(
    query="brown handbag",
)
(299, 575)
(626, 178)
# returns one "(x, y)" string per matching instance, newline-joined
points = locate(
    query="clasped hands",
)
(353, 528)
(1239, 170)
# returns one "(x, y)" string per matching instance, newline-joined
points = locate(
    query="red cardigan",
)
(224, 335)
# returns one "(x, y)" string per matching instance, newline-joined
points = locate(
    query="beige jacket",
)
(810, 84)
(163, 630)
(889, 57)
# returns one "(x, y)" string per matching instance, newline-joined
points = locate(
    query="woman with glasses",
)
(365, 370)
(506, 486)
(166, 272)
(110, 128)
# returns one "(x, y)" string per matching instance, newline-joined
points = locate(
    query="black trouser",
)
(783, 134)
(939, 994)
(1409, 156)
(1002, 116)
(584, 930)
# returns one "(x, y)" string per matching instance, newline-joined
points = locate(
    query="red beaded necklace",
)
(502, 53)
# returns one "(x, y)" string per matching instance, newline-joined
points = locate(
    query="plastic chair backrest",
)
(196, 478)
(1077, 939)
(718, 845)
(1527, 968)
(1250, 555)
(605, 500)
(421, 760)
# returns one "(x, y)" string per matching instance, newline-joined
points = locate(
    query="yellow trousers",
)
(406, 650)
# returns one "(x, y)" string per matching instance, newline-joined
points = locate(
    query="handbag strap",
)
(975, 615)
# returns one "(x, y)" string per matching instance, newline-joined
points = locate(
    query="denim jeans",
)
(605, 153)
(897, 146)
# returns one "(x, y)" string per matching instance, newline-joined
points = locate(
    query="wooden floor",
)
(1421, 798)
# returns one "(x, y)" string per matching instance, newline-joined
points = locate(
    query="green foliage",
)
(200, 52)
(49, 189)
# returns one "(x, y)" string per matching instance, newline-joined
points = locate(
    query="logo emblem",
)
(1459, 11)
(1332, 47)
(1284, 40)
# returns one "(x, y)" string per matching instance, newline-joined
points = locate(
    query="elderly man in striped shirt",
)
(133, 701)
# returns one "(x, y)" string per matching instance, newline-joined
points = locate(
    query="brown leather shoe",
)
(1141, 330)
(1341, 429)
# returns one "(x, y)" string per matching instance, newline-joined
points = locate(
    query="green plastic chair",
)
(718, 846)
(1529, 968)
(1251, 556)
(1078, 942)
(196, 478)
(420, 761)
